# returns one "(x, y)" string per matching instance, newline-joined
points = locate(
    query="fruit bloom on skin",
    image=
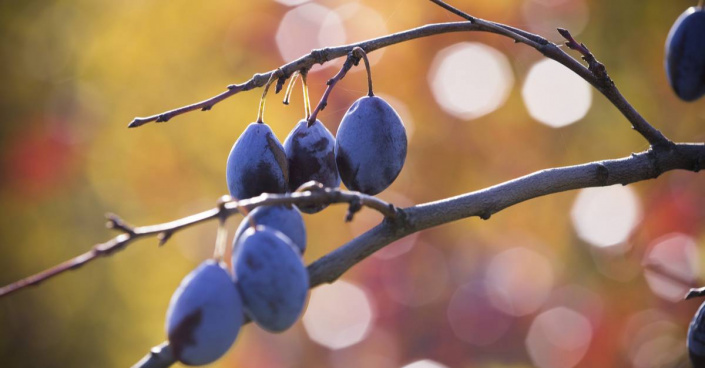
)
(370, 145)
(286, 219)
(271, 277)
(685, 54)
(204, 315)
(311, 155)
(257, 164)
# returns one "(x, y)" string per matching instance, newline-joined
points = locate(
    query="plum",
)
(257, 164)
(311, 154)
(271, 278)
(370, 146)
(696, 338)
(286, 219)
(204, 315)
(685, 54)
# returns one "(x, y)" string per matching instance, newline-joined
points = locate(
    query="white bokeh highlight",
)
(554, 95)
(307, 27)
(291, 2)
(362, 23)
(426, 363)
(519, 280)
(470, 79)
(558, 338)
(338, 315)
(677, 255)
(606, 216)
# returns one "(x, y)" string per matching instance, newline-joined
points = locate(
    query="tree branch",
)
(486, 202)
(595, 73)
(312, 195)
(598, 79)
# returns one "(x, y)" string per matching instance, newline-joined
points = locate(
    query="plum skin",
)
(286, 219)
(204, 315)
(685, 55)
(370, 145)
(696, 338)
(271, 278)
(310, 151)
(257, 164)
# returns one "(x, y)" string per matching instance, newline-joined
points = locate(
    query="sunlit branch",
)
(486, 202)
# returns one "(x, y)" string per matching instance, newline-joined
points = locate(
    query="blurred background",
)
(554, 282)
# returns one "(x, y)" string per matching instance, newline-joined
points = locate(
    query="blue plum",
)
(286, 219)
(257, 164)
(370, 145)
(696, 338)
(685, 54)
(271, 277)
(204, 315)
(311, 155)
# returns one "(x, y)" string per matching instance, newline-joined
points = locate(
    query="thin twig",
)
(305, 63)
(595, 73)
(609, 89)
(349, 62)
(695, 293)
(327, 196)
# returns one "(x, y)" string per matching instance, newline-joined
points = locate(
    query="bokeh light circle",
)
(470, 79)
(307, 27)
(425, 363)
(519, 280)
(676, 255)
(473, 318)
(338, 315)
(558, 338)
(605, 216)
(291, 2)
(362, 23)
(554, 95)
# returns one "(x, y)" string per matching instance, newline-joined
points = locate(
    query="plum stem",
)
(307, 97)
(260, 111)
(360, 53)
(220, 241)
(290, 87)
(349, 62)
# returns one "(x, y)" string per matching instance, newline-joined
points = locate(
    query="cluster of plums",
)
(268, 282)
(685, 54)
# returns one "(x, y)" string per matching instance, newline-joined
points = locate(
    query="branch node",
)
(222, 210)
(164, 236)
(603, 174)
(319, 55)
(355, 206)
(115, 222)
(485, 215)
(280, 84)
(163, 118)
